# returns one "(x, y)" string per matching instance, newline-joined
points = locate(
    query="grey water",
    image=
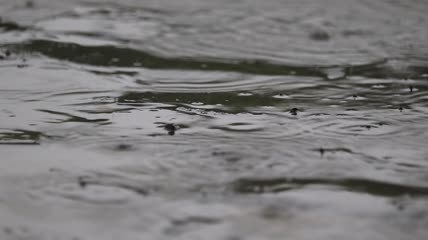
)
(197, 119)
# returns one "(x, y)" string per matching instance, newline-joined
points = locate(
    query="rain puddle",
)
(234, 120)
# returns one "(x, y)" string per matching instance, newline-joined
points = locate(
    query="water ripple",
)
(160, 118)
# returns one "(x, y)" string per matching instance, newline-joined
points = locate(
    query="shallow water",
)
(193, 119)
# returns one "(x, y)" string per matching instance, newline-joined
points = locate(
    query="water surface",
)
(213, 119)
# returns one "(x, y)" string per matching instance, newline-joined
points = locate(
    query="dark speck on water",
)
(320, 36)
(123, 147)
(294, 111)
(82, 182)
(170, 128)
(29, 4)
(322, 151)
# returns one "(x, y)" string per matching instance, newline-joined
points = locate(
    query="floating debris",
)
(322, 151)
(82, 182)
(294, 111)
(319, 35)
(170, 128)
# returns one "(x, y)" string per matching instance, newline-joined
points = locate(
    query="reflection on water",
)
(16, 136)
(213, 119)
(367, 186)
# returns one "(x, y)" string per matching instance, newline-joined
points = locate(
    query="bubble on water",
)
(244, 94)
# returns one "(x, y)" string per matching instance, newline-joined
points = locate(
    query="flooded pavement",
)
(234, 120)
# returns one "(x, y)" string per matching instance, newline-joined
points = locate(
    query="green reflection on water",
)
(226, 101)
(125, 57)
(351, 184)
(19, 136)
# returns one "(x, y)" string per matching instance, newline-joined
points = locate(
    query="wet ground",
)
(197, 119)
